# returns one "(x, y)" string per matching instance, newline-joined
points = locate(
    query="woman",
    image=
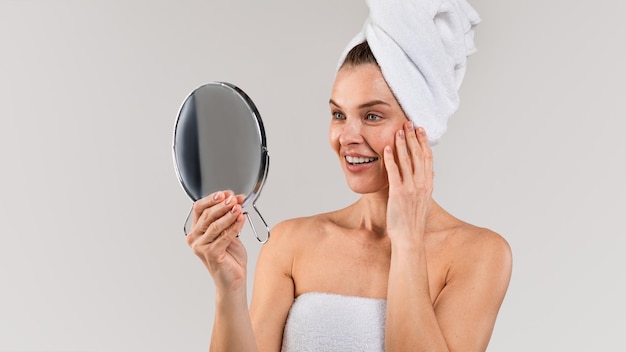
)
(442, 280)
(393, 271)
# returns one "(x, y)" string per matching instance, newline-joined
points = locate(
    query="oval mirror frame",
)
(219, 143)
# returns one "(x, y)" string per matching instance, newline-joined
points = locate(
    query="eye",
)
(372, 117)
(338, 116)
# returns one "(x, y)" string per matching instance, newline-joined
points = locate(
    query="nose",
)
(351, 133)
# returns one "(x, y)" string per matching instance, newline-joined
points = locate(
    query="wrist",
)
(231, 288)
(230, 299)
(227, 284)
(406, 241)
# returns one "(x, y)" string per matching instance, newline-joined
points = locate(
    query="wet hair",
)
(359, 55)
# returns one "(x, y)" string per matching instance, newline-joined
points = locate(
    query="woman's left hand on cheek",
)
(410, 183)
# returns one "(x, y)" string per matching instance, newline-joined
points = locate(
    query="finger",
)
(393, 173)
(212, 199)
(215, 219)
(217, 228)
(209, 216)
(413, 145)
(229, 235)
(427, 154)
(404, 159)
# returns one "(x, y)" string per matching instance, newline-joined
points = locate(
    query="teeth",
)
(359, 160)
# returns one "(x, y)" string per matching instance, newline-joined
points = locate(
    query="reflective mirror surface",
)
(219, 144)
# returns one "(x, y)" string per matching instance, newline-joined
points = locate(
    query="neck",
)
(369, 213)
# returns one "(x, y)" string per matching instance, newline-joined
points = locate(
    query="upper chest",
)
(348, 264)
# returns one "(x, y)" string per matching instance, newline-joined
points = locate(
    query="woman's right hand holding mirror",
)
(217, 220)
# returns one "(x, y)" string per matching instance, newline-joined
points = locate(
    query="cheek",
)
(333, 137)
(384, 138)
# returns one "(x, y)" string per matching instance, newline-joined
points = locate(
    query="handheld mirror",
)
(219, 144)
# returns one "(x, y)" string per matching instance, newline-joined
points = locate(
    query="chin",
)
(361, 187)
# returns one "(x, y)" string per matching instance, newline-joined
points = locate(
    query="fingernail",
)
(229, 200)
(234, 209)
(401, 134)
(217, 196)
(388, 149)
(410, 126)
(420, 130)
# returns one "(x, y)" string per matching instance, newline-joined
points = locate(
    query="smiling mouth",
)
(354, 160)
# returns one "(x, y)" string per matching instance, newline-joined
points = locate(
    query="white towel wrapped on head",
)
(421, 47)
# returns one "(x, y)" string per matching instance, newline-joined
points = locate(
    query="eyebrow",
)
(364, 105)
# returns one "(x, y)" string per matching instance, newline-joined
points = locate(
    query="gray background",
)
(92, 257)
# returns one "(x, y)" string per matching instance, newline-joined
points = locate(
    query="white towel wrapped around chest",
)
(329, 322)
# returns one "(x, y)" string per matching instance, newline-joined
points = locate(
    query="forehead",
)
(355, 85)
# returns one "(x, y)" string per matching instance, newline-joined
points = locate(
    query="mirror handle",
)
(256, 234)
(188, 222)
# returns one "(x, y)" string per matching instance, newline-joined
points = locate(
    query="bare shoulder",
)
(291, 229)
(483, 241)
(480, 249)
(297, 233)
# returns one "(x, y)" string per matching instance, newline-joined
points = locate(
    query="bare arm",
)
(468, 305)
(464, 313)
(218, 219)
(273, 287)
(232, 328)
